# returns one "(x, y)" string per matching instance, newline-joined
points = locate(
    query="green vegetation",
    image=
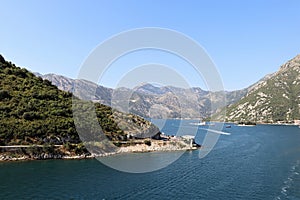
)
(247, 123)
(35, 112)
(147, 142)
(275, 99)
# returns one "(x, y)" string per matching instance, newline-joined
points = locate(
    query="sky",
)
(245, 39)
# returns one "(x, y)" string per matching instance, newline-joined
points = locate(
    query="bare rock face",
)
(274, 98)
(151, 101)
(101, 94)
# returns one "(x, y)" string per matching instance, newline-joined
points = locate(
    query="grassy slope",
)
(33, 111)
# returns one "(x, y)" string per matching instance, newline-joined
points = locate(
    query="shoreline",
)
(156, 146)
(7, 158)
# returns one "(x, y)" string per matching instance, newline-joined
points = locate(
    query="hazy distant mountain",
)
(102, 94)
(148, 100)
(148, 88)
(274, 98)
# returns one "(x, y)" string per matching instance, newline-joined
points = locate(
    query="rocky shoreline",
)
(153, 146)
(19, 157)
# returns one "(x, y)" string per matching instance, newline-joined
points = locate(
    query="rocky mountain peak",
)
(292, 64)
(274, 98)
(194, 102)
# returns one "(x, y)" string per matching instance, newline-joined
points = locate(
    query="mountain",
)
(274, 98)
(150, 89)
(148, 100)
(102, 95)
(35, 112)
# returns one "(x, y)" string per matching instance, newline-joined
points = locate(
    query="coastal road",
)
(26, 146)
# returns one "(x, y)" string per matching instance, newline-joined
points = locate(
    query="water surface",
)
(261, 162)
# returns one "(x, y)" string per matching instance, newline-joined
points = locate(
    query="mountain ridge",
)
(164, 100)
(275, 98)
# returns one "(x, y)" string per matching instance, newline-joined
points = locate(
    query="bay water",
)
(260, 162)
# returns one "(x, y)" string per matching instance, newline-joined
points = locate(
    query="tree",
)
(4, 94)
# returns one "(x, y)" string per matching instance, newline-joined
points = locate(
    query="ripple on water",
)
(289, 182)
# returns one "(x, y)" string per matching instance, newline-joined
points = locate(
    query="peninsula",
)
(37, 123)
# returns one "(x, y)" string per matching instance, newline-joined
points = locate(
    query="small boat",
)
(228, 126)
(202, 123)
(199, 124)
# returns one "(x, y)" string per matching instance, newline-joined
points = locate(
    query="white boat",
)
(245, 125)
(199, 124)
(202, 123)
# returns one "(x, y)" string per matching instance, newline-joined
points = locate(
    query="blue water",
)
(261, 162)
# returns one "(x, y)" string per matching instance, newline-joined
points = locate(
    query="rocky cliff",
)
(274, 98)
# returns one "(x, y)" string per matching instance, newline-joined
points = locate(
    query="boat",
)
(202, 123)
(228, 126)
(199, 123)
(246, 125)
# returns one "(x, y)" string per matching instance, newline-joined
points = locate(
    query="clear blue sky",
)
(245, 39)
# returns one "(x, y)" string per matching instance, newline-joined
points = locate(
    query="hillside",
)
(35, 112)
(274, 98)
(103, 94)
(148, 100)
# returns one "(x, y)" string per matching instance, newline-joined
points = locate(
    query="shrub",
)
(147, 142)
(4, 94)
